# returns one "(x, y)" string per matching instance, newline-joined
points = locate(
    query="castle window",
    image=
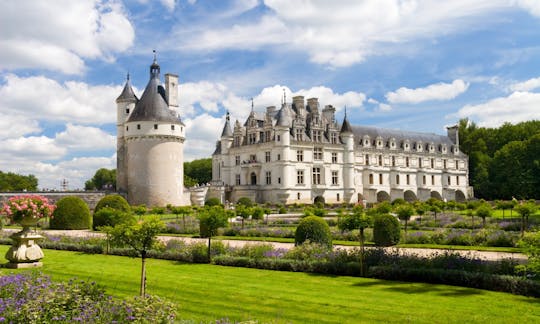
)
(317, 136)
(334, 157)
(299, 134)
(253, 179)
(408, 179)
(432, 180)
(279, 157)
(278, 138)
(317, 153)
(298, 195)
(449, 180)
(127, 111)
(268, 177)
(367, 159)
(299, 156)
(278, 180)
(457, 164)
(138, 126)
(444, 164)
(334, 177)
(237, 179)
(316, 175)
(127, 128)
(380, 159)
(419, 162)
(380, 178)
(267, 156)
(424, 180)
(299, 176)
(333, 138)
(371, 179)
(457, 180)
(155, 126)
(393, 161)
(337, 197)
(172, 127)
(253, 158)
(268, 136)
(237, 160)
(397, 179)
(432, 163)
(407, 161)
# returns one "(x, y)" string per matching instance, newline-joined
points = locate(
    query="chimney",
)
(171, 89)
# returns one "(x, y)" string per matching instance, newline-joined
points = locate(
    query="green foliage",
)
(399, 201)
(355, 220)
(140, 237)
(503, 162)
(71, 213)
(530, 243)
(197, 172)
(158, 210)
(211, 219)
(386, 230)
(103, 179)
(314, 229)
(111, 217)
(258, 213)
(484, 211)
(139, 210)
(244, 201)
(404, 212)
(15, 182)
(114, 201)
(383, 208)
(212, 202)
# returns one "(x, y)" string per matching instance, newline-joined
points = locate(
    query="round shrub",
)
(386, 230)
(115, 201)
(212, 202)
(111, 217)
(71, 213)
(245, 201)
(314, 229)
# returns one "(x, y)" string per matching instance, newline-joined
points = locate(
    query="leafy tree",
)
(212, 202)
(141, 237)
(198, 171)
(530, 244)
(404, 213)
(244, 212)
(257, 213)
(181, 210)
(357, 220)
(103, 179)
(386, 230)
(525, 210)
(210, 220)
(15, 182)
(139, 210)
(484, 211)
(245, 201)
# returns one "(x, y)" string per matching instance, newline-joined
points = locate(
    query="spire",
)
(127, 93)
(284, 96)
(154, 68)
(227, 128)
(346, 127)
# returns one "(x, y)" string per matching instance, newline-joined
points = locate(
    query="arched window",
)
(253, 178)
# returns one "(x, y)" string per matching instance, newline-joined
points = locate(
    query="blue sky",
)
(411, 64)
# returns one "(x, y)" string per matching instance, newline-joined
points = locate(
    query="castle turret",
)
(347, 138)
(154, 137)
(125, 103)
(226, 135)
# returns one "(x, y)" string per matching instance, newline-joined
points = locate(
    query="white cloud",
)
(438, 91)
(528, 85)
(42, 98)
(84, 138)
(533, 6)
(517, 107)
(13, 126)
(39, 33)
(33, 147)
(169, 4)
(342, 33)
(384, 107)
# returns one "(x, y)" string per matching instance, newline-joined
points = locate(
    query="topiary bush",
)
(314, 229)
(386, 230)
(115, 201)
(111, 217)
(245, 201)
(212, 202)
(71, 213)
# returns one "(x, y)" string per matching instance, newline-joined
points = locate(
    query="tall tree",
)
(198, 171)
(103, 179)
(16, 182)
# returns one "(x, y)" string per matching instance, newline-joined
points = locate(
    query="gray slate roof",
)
(399, 135)
(285, 116)
(227, 132)
(153, 106)
(127, 93)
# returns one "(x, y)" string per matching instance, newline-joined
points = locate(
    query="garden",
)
(168, 266)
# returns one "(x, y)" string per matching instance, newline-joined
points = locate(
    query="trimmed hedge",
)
(313, 229)
(71, 213)
(111, 217)
(386, 230)
(113, 201)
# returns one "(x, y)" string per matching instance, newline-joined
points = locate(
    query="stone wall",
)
(90, 197)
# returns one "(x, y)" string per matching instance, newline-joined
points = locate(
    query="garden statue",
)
(26, 210)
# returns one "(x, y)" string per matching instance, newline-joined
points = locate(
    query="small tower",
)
(347, 138)
(125, 103)
(154, 144)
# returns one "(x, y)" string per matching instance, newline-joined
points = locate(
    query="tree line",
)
(504, 162)
(16, 182)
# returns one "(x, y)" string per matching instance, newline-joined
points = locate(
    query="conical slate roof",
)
(127, 93)
(227, 132)
(153, 106)
(285, 116)
(346, 127)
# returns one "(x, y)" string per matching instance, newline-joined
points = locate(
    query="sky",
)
(415, 65)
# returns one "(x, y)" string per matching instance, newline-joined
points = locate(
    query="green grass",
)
(206, 292)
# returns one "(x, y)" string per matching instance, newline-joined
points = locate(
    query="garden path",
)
(484, 255)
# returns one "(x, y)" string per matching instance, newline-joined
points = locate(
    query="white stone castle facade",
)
(150, 143)
(298, 153)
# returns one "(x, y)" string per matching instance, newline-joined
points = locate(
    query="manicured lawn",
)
(206, 292)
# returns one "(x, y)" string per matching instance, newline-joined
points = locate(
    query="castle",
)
(150, 143)
(300, 154)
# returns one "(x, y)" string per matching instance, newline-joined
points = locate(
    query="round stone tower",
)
(154, 147)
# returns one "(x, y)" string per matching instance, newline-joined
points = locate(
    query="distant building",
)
(150, 143)
(298, 153)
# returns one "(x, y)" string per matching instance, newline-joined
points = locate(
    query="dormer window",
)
(127, 110)
(155, 126)
(138, 126)
(172, 127)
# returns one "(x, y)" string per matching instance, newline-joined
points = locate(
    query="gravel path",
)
(484, 255)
